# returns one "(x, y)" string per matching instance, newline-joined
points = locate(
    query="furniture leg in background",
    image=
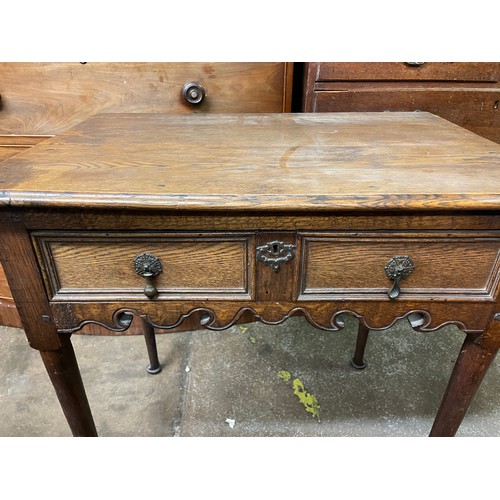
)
(149, 335)
(359, 353)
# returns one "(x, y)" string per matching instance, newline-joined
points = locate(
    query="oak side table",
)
(381, 216)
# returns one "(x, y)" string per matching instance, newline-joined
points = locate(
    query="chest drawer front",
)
(436, 71)
(48, 98)
(446, 265)
(100, 266)
(475, 110)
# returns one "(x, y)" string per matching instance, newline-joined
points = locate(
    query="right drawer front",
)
(446, 266)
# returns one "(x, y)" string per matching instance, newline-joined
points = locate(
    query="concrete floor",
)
(228, 384)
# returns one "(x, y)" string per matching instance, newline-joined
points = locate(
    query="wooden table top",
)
(331, 161)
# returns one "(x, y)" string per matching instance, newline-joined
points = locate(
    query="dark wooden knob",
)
(193, 92)
(415, 64)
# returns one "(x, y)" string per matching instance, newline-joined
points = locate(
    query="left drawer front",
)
(100, 266)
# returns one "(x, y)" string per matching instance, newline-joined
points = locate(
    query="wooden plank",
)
(21, 141)
(8, 311)
(11, 145)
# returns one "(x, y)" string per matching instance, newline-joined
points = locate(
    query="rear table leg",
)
(358, 359)
(149, 335)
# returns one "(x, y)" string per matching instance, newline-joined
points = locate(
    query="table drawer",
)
(102, 266)
(445, 265)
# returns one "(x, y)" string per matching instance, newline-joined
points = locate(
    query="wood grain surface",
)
(48, 98)
(427, 71)
(465, 93)
(293, 162)
(450, 266)
(24, 278)
(381, 176)
(472, 108)
(11, 145)
(192, 265)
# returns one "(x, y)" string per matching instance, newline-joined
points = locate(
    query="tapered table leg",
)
(149, 335)
(359, 353)
(468, 373)
(64, 373)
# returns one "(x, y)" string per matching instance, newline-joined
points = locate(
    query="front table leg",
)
(25, 282)
(64, 373)
(468, 373)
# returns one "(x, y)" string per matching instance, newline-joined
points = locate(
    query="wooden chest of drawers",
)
(39, 100)
(467, 94)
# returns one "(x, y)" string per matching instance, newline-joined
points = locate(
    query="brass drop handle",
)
(193, 92)
(397, 269)
(148, 266)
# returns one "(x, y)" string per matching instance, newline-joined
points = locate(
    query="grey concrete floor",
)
(228, 384)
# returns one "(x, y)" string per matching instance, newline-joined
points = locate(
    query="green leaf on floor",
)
(306, 399)
(284, 375)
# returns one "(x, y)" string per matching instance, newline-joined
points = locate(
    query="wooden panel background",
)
(47, 98)
(476, 110)
(464, 93)
(430, 71)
